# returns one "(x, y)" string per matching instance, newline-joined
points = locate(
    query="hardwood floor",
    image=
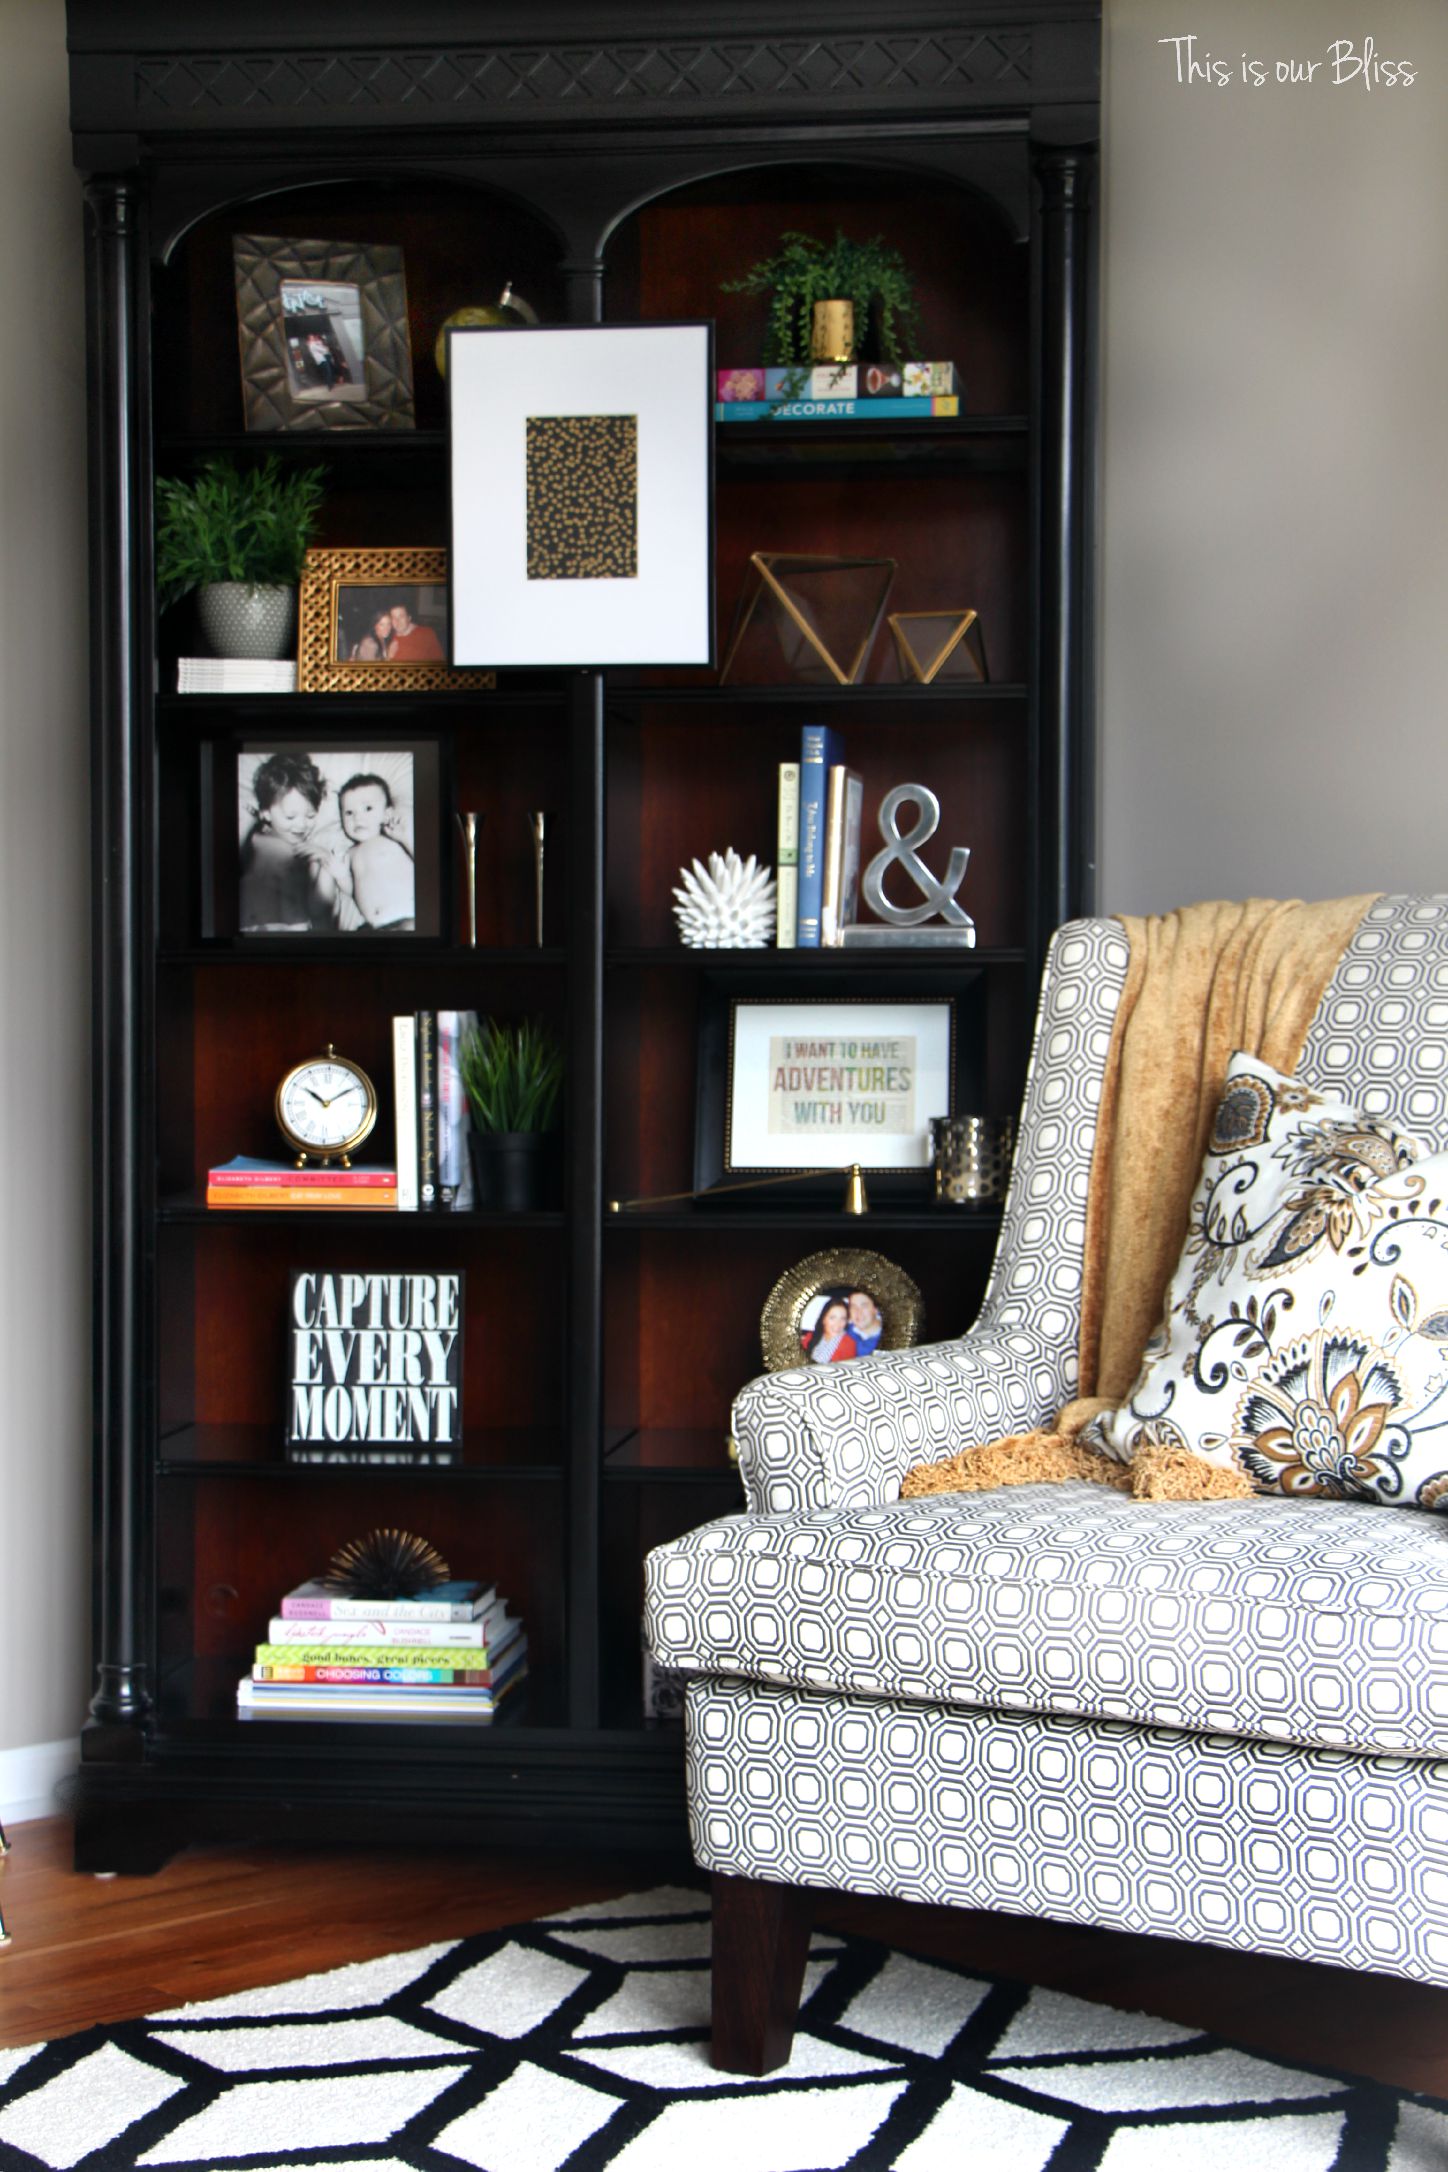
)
(86, 1950)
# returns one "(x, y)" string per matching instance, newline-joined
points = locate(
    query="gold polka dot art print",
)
(583, 476)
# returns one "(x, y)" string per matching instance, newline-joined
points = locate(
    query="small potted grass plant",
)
(236, 538)
(513, 1078)
(827, 296)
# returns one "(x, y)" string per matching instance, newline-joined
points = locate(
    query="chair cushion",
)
(1306, 1332)
(1310, 1621)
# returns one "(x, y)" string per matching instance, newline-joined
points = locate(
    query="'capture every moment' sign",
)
(375, 1372)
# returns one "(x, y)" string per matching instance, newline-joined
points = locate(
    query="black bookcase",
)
(615, 163)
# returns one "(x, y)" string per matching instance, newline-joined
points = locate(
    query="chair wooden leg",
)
(761, 1936)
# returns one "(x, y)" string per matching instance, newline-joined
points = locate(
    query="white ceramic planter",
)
(239, 620)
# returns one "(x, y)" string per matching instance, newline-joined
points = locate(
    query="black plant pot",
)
(508, 1168)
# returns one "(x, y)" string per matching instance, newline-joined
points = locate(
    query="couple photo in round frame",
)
(838, 1305)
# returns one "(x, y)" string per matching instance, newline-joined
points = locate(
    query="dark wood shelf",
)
(193, 1211)
(672, 1456)
(901, 694)
(301, 950)
(513, 1454)
(237, 712)
(946, 445)
(851, 1228)
(946, 959)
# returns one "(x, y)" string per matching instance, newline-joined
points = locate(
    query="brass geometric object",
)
(939, 645)
(817, 617)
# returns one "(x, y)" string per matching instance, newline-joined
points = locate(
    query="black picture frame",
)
(717, 1168)
(228, 792)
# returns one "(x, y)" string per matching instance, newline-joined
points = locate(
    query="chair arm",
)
(844, 1436)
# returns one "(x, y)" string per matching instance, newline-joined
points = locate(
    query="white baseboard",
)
(30, 1776)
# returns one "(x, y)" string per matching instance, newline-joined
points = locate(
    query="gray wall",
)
(1274, 574)
(44, 903)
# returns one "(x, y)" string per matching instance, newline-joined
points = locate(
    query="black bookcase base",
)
(599, 1794)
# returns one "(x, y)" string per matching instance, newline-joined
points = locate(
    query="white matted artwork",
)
(582, 494)
(822, 1084)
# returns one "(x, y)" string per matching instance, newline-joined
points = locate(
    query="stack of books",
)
(434, 1174)
(821, 802)
(234, 675)
(454, 1654)
(246, 1182)
(843, 392)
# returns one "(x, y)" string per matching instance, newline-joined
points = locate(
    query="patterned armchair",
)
(1224, 1721)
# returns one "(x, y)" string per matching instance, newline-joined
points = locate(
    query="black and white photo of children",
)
(327, 844)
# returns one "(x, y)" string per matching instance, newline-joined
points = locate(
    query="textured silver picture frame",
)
(272, 272)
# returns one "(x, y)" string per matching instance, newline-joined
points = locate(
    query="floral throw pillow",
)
(1306, 1331)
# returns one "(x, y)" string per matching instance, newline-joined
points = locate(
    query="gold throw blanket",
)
(1201, 983)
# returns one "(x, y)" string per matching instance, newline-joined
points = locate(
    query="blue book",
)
(819, 750)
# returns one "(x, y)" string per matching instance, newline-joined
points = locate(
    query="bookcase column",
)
(120, 646)
(1064, 179)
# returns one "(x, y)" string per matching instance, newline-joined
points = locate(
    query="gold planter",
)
(832, 332)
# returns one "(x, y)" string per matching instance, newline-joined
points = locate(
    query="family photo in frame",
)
(337, 841)
(375, 621)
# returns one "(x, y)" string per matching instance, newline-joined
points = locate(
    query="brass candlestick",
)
(538, 826)
(468, 827)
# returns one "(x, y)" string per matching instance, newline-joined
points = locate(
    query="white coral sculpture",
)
(728, 905)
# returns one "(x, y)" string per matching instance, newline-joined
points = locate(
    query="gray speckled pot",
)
(241, 621)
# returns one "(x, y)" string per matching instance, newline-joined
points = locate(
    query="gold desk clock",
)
(325, 1107)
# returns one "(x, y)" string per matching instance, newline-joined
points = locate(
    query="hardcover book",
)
(787, 857)
(316, 1601)
(819, 751)
(844, 810)
(490, 1631)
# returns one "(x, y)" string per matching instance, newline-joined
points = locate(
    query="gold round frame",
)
(889, 1285)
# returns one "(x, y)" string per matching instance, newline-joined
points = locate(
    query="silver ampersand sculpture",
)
(906, 924)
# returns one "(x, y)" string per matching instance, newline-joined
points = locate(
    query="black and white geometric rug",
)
(579, 2042)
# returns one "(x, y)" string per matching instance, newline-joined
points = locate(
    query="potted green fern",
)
(236, 537)
(827, 296)
(513, 1078)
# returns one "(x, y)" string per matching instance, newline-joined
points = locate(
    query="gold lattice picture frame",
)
(375, 622)
(837, 1305)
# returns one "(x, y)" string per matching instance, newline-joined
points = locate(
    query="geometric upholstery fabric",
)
(1223, 1722)
(843, 1436)
(1322, 1623)
(846, 1435)
(1259, 1846)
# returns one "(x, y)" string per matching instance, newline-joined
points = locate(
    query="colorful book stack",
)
(434, 1173)
(821, 803)
(453, 1655)
(246, 1182)
(849, 392)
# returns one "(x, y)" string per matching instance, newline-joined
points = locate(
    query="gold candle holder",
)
(538, 828)
(468, 827)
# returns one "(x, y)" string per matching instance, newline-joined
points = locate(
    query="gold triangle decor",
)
(802, 617)
(939, 645)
